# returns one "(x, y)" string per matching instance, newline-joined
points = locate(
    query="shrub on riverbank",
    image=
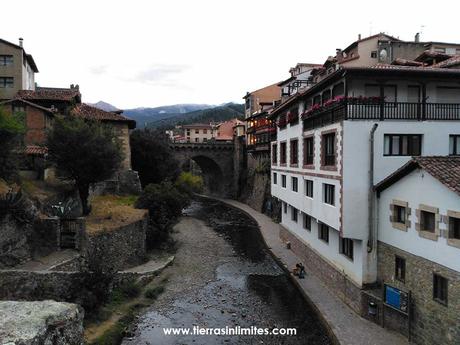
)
(165, 204)
(189, 183)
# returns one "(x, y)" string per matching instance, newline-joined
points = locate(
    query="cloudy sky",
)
(149, 53)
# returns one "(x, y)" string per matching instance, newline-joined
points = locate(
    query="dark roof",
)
(286, 81)
(88, 112)
(50, 93)
(446, 169)
(49, 110)
(28, 57)
(428, 54)
(405, 62)
(453, 61)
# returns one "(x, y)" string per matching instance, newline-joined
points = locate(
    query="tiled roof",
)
(36, 150)
(405, 62)
(198, 125)
(452, 61)
(48, 93)
(446, 169)
(429, 69)
(49, 110)
(88, 112)
(432, 55)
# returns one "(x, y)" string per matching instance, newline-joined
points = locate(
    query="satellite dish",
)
(383, 54)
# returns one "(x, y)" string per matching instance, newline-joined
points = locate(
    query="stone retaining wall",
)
(115, 249)
(40, 285)
(340, 285)
(432, 322)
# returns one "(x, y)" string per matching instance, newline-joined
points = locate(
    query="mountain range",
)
(178, 114)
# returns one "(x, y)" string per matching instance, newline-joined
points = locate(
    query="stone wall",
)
(337, 282)
(432, 322)
(46, 322)
(118, 248)
(15, 247)
(40, 285)
(256, 183)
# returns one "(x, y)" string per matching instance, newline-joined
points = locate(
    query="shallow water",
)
(248, 289)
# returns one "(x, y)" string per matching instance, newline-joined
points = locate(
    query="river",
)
(223, 275)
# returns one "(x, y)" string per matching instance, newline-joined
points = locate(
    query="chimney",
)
(417, 37)
(359, 37)
(21, 42)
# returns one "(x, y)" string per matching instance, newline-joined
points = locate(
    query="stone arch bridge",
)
(219, 162)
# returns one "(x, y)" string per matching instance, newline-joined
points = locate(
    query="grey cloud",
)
(161, 73)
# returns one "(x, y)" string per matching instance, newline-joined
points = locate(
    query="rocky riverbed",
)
(224, 276)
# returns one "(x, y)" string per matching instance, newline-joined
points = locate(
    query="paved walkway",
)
(348, 327)
(47, 263)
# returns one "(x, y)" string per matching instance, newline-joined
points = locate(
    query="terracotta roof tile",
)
(48, 93)
(88, 112)
(453, 61)
(444, 169)
(36, 150)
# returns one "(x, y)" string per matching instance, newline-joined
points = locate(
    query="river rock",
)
(41, 322)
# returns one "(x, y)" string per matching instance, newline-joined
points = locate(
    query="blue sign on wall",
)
(396, 298)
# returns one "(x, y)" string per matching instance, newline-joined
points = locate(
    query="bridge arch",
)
(214, 159)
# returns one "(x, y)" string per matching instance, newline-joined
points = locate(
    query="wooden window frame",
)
(325, 194)
(294, 158)
(306, 189)
(440, 289)
(400, 269)
(309, 160)
(409, 144)
(346, 247)
(323, 232)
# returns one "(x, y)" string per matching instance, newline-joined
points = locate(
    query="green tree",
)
(12, 129)
(86, 152)
(189, 183)
(152, 157)
(165, 204)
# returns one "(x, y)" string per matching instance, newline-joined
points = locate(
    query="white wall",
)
(356, 148)
(419, 187)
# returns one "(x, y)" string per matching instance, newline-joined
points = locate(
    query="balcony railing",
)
(380, 111)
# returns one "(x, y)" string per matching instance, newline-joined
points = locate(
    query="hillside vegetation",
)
(216, 114)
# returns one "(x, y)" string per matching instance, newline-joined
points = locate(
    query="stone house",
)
(419, 245)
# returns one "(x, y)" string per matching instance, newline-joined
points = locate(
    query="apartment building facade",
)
(17, 69)
(347, 132)
(199, 132)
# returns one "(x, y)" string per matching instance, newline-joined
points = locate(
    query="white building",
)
(339, 138)
(419, 242)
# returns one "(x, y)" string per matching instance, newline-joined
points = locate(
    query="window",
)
(374, 54)
(328, 193)
(205, 131)
(329, 149)
(454, 228)
(275, 178)
(285, 207)
(440, 50)
(205, 139)
(294, 152)
(400, 269)
(196, 140)
(197, 131)
(188, 132)
(399, 215)
(306, 222)
(294, 214)
(274, 153)
(294, 184)
(323, 232)
(454, 145)
(6, 60)
(283, 181)
(427, 221)
(440, 288)
(19, 109)
(346, 247)
(308, 188)
(283, 153)
(6, 82)
(402, 144)
(308, 147)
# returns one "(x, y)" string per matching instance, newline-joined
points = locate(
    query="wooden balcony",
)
(381, 111)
